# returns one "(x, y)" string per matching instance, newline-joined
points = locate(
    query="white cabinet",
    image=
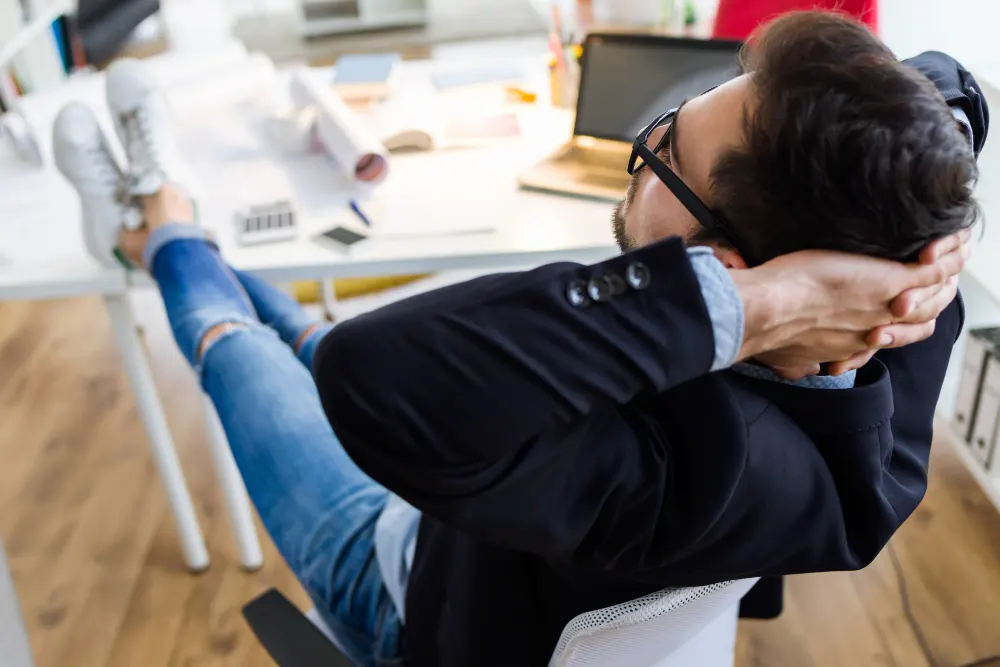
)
(980, 286)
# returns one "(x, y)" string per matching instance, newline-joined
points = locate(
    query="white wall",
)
(965, 29)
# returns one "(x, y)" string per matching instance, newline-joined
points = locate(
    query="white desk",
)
(40, 230)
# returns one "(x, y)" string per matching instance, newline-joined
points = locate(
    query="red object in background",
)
(736, 19)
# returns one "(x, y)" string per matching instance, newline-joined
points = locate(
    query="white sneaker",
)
(142, 119)
(83, 155)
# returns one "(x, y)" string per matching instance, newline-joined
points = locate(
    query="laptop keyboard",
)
(606, 159)
(603, 180)
(599, 173)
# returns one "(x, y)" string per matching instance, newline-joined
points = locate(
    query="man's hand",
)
(813, 306)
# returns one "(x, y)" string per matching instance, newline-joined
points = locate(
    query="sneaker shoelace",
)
(108, 178)
(105, 175)
(141, 149)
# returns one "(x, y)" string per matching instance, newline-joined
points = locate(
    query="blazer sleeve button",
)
(638, 276)
(616, 283)
(576, 294)
(599, 289)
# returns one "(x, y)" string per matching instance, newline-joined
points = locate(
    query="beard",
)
(618, 226)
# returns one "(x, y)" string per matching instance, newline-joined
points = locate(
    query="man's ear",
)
(729, 257)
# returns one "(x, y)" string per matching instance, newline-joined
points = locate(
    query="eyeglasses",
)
(642, 155)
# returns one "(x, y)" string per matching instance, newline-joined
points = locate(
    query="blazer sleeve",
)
(917, 373)
(517, 413)
(434, 393)
(959, 89)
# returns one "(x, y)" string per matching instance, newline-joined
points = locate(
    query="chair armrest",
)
(288, 636)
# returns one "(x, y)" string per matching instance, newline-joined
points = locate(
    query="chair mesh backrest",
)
(645, 631)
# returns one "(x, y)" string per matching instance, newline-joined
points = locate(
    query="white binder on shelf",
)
(984, 428)
(973, 369)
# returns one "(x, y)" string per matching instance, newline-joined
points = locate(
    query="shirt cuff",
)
(725, 309)
(964, 124)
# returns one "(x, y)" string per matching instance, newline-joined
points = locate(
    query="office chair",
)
(676, 627)
(288, 636)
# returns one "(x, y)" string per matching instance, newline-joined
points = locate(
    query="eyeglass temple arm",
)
(684, 194)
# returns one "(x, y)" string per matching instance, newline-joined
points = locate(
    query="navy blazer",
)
(572, 456)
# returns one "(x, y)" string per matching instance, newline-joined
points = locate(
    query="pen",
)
(556, 43)
(357, 211)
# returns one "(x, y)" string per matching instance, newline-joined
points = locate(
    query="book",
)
(364, 76)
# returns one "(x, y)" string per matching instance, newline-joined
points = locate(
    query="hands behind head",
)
(819, 306)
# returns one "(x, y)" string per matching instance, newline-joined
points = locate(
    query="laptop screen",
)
(627, 81)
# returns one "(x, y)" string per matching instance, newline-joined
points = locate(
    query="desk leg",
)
(234, 492)
(160, 442)
(328, 297)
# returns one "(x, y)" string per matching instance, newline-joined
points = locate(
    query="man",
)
(560, 427)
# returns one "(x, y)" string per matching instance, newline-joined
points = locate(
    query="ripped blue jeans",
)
(318, 506)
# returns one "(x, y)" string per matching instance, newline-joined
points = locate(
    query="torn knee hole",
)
(214, 334)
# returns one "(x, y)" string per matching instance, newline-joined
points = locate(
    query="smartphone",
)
(341, 238)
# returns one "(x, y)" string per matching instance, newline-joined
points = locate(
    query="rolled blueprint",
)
(339, 129)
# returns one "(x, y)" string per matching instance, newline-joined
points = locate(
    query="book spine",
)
(60, 34)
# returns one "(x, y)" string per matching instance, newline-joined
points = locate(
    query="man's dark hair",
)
(846, 148)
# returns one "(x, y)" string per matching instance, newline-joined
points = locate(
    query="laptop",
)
(626, 80)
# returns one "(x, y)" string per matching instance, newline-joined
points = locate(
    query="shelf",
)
(320, 27)
(988, 483)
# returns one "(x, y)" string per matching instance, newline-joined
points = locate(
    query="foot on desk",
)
(116, 225)
(167, 207)
(83, 155)
(113, 199)
(142, 120)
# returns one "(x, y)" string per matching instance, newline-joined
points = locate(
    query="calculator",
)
(266, 223)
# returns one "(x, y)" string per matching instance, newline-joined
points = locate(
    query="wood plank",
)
(97, 573)
(949, 554)
(825, 600)
(149, 635)
(878, 589)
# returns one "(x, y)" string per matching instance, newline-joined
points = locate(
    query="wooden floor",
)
(96, 561)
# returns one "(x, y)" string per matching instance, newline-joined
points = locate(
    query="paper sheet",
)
(253, 77)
